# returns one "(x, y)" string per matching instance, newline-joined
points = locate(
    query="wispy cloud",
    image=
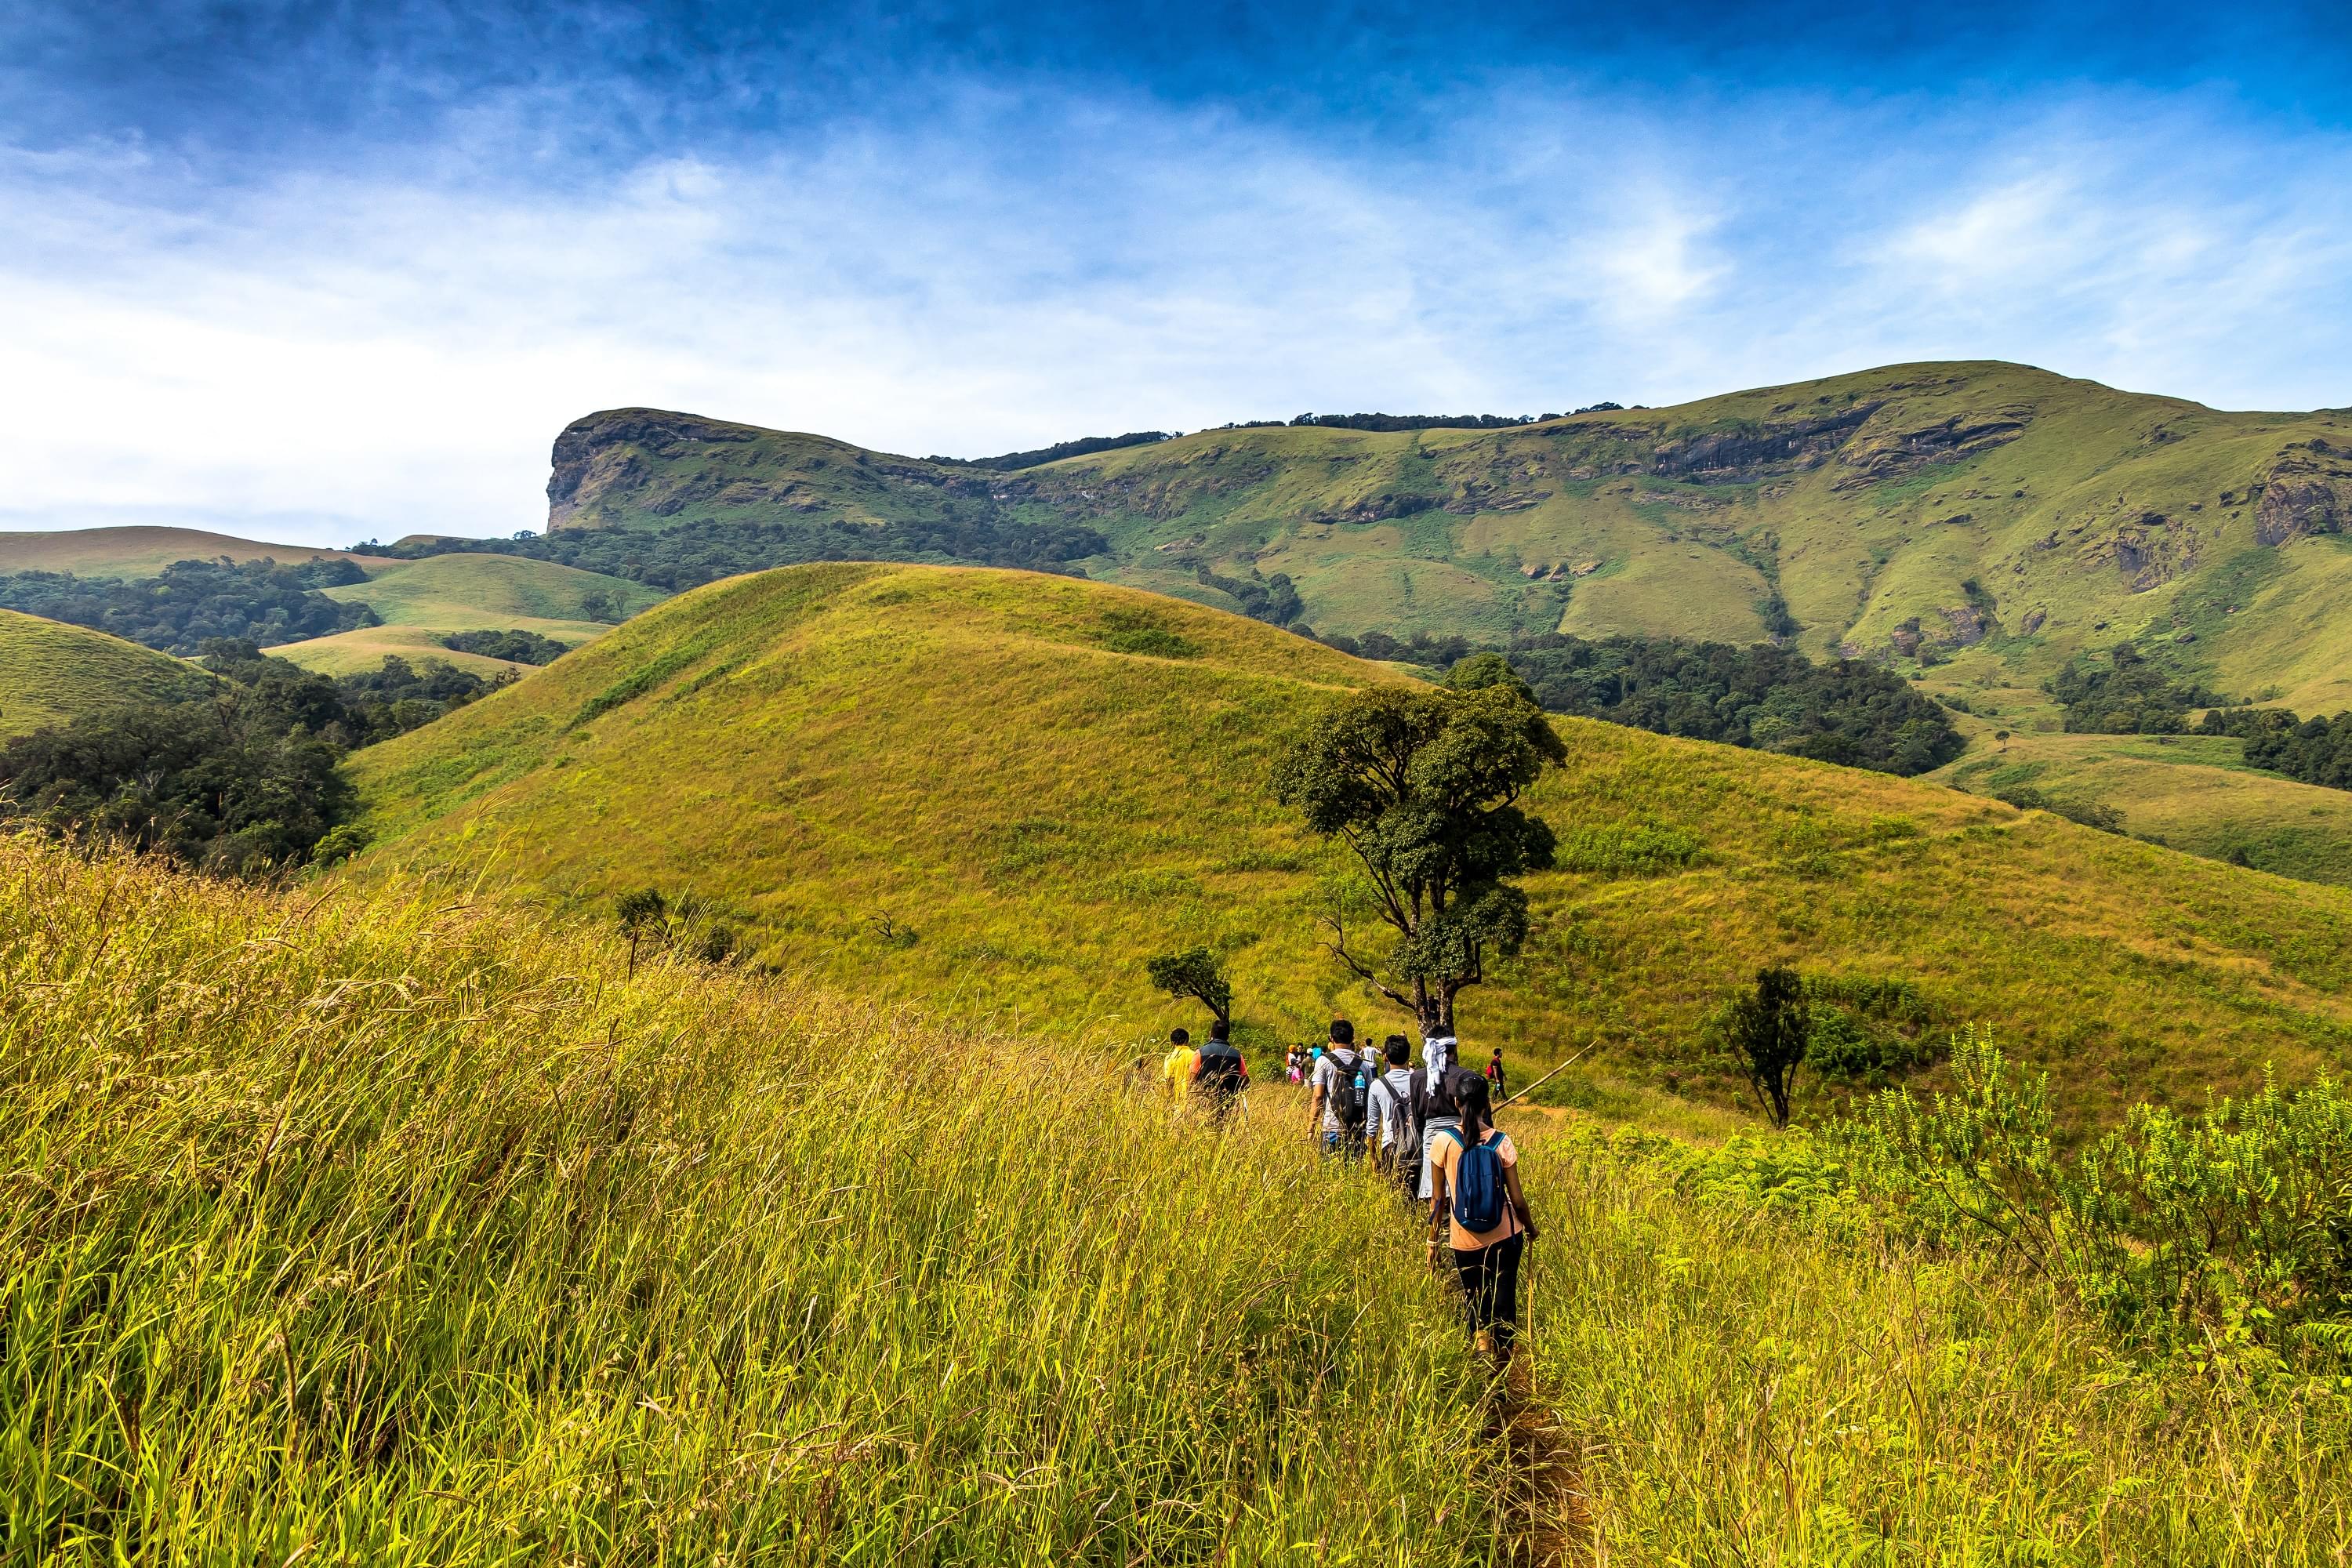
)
(388, 344)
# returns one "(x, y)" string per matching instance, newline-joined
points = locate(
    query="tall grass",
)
(1753, 1387)
(373, 1231)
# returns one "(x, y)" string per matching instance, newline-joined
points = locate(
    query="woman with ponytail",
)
(1474, 1189)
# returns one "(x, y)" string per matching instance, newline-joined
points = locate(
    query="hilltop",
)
(51, 673)
(1912, 512)
(998, 791)
(142, 552)
(421, 602)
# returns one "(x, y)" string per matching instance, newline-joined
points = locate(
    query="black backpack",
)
(1352, 1087)
(1221, 1072)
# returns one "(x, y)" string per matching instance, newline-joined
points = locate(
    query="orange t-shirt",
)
(1445, 1154)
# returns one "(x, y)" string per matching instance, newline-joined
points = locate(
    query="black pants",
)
(1490, 1286)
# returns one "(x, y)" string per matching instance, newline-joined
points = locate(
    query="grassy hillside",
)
(998, 793)
(1916, 507)
(141, 551)
(421, 601)
(52, 674)
(390, 1229)
(403, 1233)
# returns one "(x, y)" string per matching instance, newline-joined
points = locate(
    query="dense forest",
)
(522, 646)
(1772, 698)
(235, 772)
(693, 553)
(2312, 751)
(2128, 696)
(193, 602)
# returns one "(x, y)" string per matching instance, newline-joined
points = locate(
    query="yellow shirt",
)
(1177, 1068)
(1445, 1154)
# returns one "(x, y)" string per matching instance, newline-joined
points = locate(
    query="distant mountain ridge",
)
(1922, 512)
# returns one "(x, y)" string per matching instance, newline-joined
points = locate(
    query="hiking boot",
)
(1483, 1342)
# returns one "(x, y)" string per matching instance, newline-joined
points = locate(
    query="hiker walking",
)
(1343, 1097)
(1476, 1200)
(1388, 1117)
(1176, 1067)
(1433, 1109)
(1495, 1077)
(1219, 1076)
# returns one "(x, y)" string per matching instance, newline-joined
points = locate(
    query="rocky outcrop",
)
(1750, 451)
(2151, 550)
(1898, 453)
(2308, 490)
(600, 455)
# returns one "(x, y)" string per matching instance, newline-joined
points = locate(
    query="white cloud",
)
(392, 349)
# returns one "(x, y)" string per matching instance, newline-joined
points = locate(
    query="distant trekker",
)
(1388, 1117)
(1477, 1200)
(1494, 1075)
(1219, 1074)
(1176, 1067)
(1342, 1094)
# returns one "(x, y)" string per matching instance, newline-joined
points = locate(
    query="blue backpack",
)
(1479, 1194)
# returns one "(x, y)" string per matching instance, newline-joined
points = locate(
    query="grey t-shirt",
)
(1329, 1069)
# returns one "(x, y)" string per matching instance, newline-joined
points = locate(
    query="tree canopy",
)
(1424, 786)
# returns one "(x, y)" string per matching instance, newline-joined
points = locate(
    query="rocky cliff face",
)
(603, 456)
(2308, 490)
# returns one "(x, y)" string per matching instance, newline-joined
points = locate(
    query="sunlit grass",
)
(359, 1231)
(1745, 1387)
(825, 748)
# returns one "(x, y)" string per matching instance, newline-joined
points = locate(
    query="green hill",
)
(52, 674)
(142, 552)
(999, 792)
(1912, 510)
(420, 602)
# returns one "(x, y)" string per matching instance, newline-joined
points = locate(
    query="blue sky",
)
(320, 271)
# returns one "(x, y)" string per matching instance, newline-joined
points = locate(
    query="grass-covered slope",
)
(143, 552)
(1932, 506)
(51, 673)
(396, 1232)
(1001, 791)
(420, 602)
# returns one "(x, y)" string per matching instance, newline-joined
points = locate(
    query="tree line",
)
(2130, 695)
(193, 602)
(1769, 699)
(236, 769)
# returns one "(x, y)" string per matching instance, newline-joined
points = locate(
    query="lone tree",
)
(645, 917)
(1195, 973)
(1423, 786)
(1769, 1029)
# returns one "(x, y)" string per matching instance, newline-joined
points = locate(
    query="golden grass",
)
(1743, 1386)
(386, 1230)
(963, 754)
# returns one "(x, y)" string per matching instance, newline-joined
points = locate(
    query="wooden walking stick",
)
(1546, 1078)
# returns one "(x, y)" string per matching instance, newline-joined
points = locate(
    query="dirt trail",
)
(1547, 1522)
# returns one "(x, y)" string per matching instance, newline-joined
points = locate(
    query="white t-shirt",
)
(1329, 1070)
(1391, 1089)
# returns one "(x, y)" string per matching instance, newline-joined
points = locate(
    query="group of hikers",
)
(1430, 1129)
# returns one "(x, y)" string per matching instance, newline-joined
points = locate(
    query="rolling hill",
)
(52, 674)
(142, 552)
(1919, 509)
(999, 792)
(420, 602)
